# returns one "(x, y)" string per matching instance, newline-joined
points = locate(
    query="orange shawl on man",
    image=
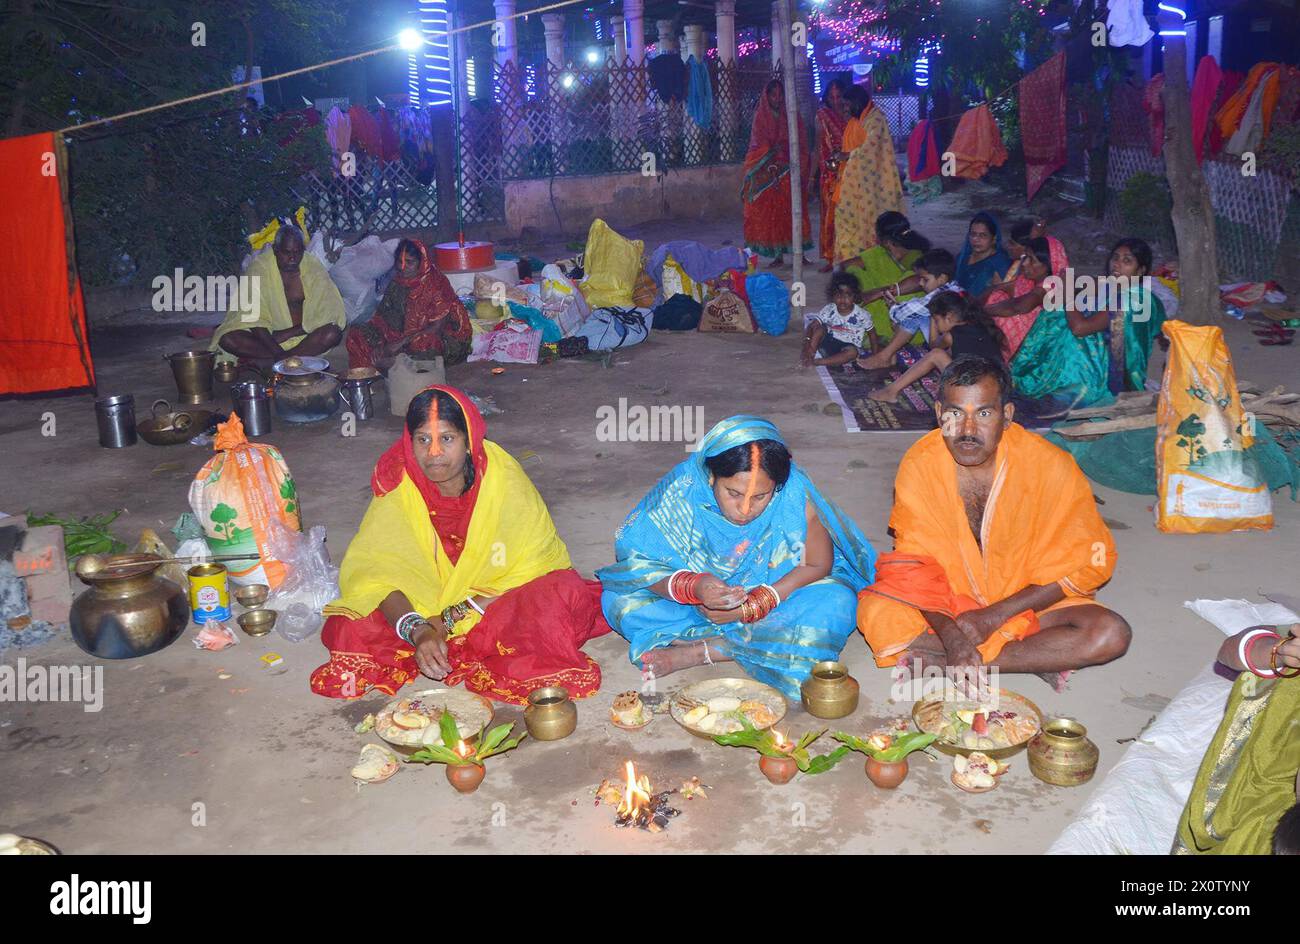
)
(1040, 527)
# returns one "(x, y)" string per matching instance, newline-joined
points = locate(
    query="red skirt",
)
(530, 637)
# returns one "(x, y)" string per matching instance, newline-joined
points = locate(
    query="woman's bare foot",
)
(677, 656)
(776, 263)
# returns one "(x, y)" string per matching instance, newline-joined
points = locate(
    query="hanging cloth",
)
(922, 152)
(365, 131)
(1204, 88)
(1042, 122)
(43, 344)
(1263, 75)
(977, 144)
(668, 77)
(1154, 105)
(699, 96)
(1126, 24)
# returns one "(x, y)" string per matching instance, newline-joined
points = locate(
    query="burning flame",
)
(636, 796)
(463, 749)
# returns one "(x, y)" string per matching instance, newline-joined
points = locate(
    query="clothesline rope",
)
(292, 72)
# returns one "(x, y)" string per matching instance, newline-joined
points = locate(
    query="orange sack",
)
(237, 495)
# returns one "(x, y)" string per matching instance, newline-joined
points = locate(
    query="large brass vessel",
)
(129, 610)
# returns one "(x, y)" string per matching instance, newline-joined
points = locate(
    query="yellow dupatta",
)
(321, 305)
(511, 541)
(869, 185)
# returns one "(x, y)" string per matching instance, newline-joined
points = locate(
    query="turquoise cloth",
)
(678, 525)
(699, 93)
(1075, 371)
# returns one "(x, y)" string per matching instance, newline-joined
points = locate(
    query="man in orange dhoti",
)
(999, 547)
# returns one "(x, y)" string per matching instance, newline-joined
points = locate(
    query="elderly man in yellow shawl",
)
(457, 573)
(297, 307)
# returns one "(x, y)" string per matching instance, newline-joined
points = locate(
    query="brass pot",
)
(829, 691)
(550, 714)
(129, 609)
(1062, 755)
(226, 372)
(193, 373)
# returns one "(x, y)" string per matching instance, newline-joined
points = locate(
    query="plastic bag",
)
(310, 581)
(610, 328)
(237, 495)
(513, 342)
(769, 300)
(407, 377)
(612, 265)
(1207, 482)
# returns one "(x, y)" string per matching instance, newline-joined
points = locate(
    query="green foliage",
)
(89, 535)
(1146, 206)
(899, 747)
(1281, 151)
(490, 743)
(179, 187)
(765, 743)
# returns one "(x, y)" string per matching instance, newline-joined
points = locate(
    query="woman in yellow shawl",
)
(457, 573)
(296, 307)
(869, 184)
(1243, 801)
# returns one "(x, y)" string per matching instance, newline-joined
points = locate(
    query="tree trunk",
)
(785, 17)
(1193, 217)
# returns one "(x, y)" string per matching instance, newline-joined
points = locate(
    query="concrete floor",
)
(269, 761)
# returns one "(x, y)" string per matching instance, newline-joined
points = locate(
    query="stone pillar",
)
(726, 11)
(695, 42)
(553, 24)
(667, 37)
(777, 39)
(508, 51)
(634, 14)
(620, 39)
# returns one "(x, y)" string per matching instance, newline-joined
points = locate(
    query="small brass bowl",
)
(550, 714)
(257, 622)
(252, 596)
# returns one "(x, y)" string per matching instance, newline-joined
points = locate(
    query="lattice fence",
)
(902, 111)
(380, 196)
(591, 120)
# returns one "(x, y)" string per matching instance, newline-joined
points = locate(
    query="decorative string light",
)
(430, 66)
(1182, 15)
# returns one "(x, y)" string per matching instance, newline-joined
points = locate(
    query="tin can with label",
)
(209, 592)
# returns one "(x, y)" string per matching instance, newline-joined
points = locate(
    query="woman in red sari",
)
(419, 313)
(457, 573)
(765, 189)
(831, 119)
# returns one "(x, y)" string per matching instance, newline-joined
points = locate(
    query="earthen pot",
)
(465, 777)
(779, 770)
(884, 775)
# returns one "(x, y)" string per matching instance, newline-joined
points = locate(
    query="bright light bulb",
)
(410, 39)
(567, 81)
(593, 56)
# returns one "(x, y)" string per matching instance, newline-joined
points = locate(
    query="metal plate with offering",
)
(411, 722)
(998, 727)
(717, 706)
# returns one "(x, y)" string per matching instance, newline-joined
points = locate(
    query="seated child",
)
(957, 328)
(934, 274)
(842, 330)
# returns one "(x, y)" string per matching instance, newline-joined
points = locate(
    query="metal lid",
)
(301, 366)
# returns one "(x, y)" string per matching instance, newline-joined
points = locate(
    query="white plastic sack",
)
(355, 273)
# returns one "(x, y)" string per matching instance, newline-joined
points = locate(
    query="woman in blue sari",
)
(982, 257)
(736, 556)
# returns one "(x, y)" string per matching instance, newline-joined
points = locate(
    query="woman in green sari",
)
(1082, 358)
(883, 270)
(1247, 783)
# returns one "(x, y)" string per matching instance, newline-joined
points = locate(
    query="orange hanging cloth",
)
(977, 144)
(43, 342)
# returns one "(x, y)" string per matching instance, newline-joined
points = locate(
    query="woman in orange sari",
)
(457, 573)
(765, 188)
(831, 120)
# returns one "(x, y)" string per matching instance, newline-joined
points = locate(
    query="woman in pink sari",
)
(765, 188)
(1017, 301)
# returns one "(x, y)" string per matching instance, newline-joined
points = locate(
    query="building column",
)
(667, 37)
(634, 14)
(553, 25)
(726, 12)
(508, 51)
(695, 42)
(777, 39)
(620, 40)
(727, 102)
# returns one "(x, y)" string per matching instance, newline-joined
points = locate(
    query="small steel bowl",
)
(257, 622)
(252, 596)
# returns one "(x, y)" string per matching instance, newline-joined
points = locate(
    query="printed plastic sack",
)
(236, 496)
(562, 301)
(612, 265)
(769, 299)
(1206, 481)
(513, 342)
(727, 314)
(611, 328)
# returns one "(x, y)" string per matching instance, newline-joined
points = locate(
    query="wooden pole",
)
(792, 123)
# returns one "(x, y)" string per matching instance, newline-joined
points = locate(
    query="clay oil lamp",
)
(886, 754)
(468, 774)
(779, 757)
(782, 768)
(465, 770)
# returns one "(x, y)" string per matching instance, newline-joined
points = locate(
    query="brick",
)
(51, 610)
(47, 586)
